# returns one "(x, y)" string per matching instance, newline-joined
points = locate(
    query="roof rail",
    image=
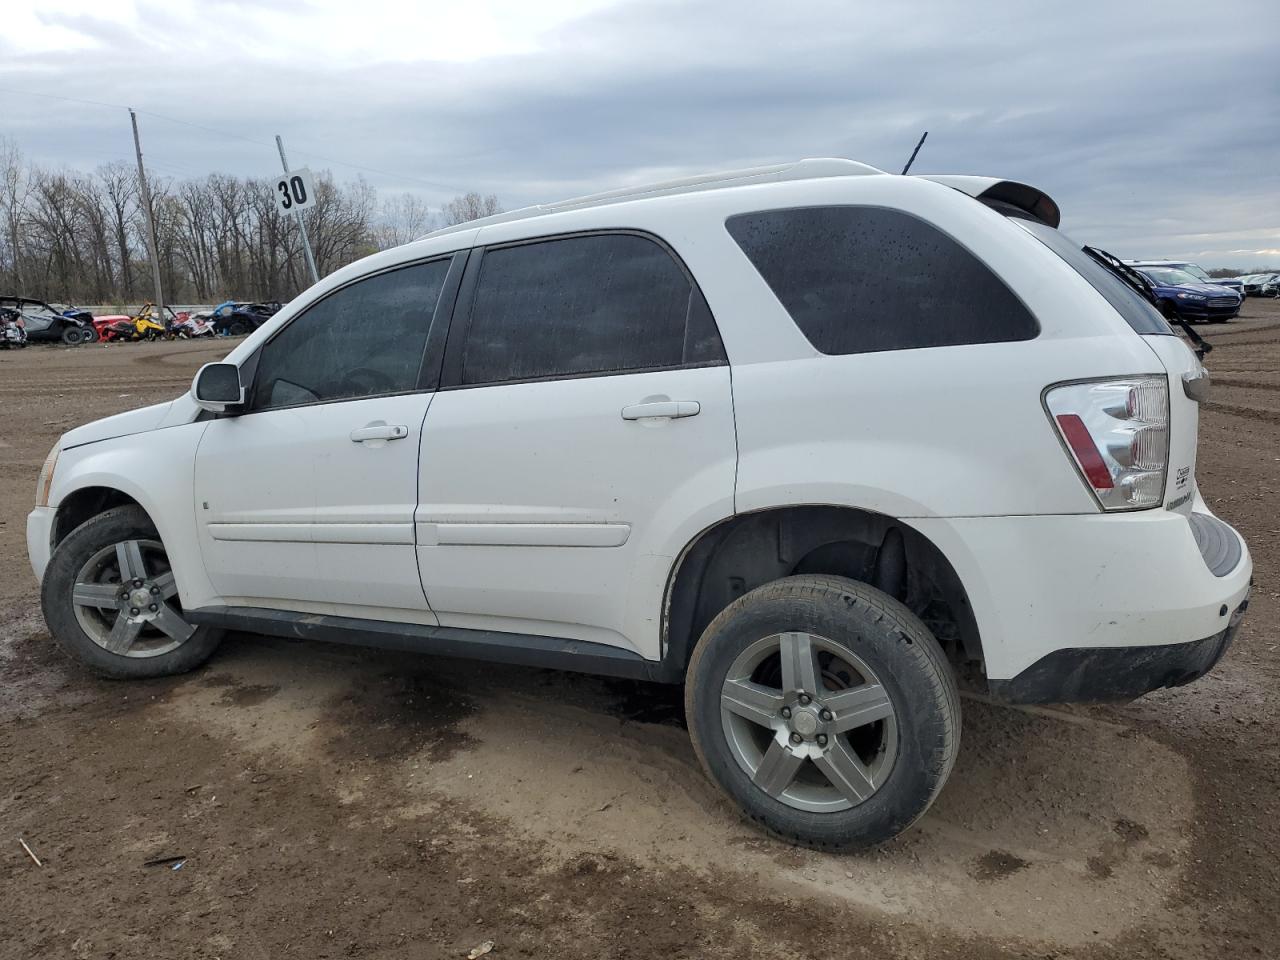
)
(794, 170)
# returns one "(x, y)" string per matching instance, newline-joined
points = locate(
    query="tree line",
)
(69, 236)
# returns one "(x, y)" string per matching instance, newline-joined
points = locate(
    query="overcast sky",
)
(1156, 127)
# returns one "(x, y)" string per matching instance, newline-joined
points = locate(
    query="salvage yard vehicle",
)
(236, 318)
(1260, 284)
(13, 333)
(1198, 272)
(818, 442)
(45, 323)
(1179, 295)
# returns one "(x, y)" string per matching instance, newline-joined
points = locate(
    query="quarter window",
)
(363, 340)
(595, 304)
(863, 279)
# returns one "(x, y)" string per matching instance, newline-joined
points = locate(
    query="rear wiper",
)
(1146, 290)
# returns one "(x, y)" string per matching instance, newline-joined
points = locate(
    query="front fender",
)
(156, 469)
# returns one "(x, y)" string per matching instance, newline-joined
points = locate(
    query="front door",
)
(306, 500)
(583, 434)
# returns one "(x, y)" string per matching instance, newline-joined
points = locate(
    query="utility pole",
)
(151, 224)
(302, 227)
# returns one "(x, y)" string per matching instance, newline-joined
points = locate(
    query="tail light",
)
(1117, 432)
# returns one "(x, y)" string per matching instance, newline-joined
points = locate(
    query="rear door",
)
(585, 420)
(306, 501)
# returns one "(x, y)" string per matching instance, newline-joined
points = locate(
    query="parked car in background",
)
(1180, 295)
(46, 323)
(235, 318)
(1260, 284)
(1196, 271)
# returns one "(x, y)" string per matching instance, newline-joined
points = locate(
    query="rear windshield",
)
(1137, 312)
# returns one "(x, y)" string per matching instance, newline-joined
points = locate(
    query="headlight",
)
(46, 477)
(1190, 296)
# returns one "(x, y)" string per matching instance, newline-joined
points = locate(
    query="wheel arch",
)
(85, 503)
(740, 553)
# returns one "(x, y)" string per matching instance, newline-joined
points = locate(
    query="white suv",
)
(815, 441)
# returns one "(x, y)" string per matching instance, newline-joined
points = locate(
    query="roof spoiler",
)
(1006, 193)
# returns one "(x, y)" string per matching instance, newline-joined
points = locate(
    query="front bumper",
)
(1116, 674)
(40, 538)
(1191, 310)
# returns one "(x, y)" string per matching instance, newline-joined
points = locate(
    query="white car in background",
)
(814, 441)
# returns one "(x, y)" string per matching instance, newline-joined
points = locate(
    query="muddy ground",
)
(337, 802)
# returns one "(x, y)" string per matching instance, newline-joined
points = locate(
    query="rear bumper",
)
(1116, 674)
(1058, 600)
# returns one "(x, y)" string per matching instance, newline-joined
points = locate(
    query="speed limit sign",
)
(293, 190)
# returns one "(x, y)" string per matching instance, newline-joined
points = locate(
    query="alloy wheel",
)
(809, 722)
(125, 600)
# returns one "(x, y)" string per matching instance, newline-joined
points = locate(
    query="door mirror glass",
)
(217, 387)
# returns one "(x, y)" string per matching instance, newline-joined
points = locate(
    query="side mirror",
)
(217, 387)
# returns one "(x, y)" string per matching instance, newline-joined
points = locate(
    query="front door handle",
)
(379, 431)
(662, 409)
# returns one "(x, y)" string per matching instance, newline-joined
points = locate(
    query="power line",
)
(235, 136)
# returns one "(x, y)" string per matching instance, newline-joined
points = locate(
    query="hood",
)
(1208, 289)
(121, 425)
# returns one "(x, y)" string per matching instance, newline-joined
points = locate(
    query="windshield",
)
(1168, 276)
(1135, 310)
(1196, 272)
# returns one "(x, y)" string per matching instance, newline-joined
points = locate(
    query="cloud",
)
(1155, 137)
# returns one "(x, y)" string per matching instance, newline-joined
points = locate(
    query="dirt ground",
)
(335, 802)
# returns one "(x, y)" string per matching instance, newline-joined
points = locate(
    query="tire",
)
(237, 328)
(89, 334)
(160, 644)
(841, 627)
(71, 335)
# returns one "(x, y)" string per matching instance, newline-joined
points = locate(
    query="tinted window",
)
(584, 305)
(365, 339)
(861, 279)
(1136, 311)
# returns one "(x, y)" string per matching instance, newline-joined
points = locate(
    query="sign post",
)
(294, 193)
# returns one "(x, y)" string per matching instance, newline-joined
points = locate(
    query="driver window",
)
(366, 339)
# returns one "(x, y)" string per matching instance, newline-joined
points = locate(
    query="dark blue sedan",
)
(1179, 295)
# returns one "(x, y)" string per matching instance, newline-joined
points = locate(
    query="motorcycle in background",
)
(13, 333)
(190, 326)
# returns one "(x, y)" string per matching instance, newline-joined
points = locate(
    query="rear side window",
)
(363, 340)
(865, 279)
(576, 306)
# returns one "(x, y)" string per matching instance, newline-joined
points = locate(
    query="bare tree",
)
(469, 206)
(403, 218)
(67, 236)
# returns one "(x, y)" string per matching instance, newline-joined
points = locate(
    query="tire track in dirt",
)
(1245, 413)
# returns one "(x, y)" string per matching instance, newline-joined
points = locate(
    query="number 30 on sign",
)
(293, 190)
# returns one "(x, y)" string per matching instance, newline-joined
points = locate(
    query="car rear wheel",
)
(88, 334)
(71, 335)
(111, 601)
(237, 328)
(825, 709)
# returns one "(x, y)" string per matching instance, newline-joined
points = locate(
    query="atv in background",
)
(45, 323)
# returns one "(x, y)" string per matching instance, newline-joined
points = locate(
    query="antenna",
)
(914, 152)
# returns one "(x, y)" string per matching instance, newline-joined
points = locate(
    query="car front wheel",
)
(825, 709)
(111, 601)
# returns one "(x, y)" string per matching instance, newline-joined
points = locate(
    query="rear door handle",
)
(662, 409)
(379, 431)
